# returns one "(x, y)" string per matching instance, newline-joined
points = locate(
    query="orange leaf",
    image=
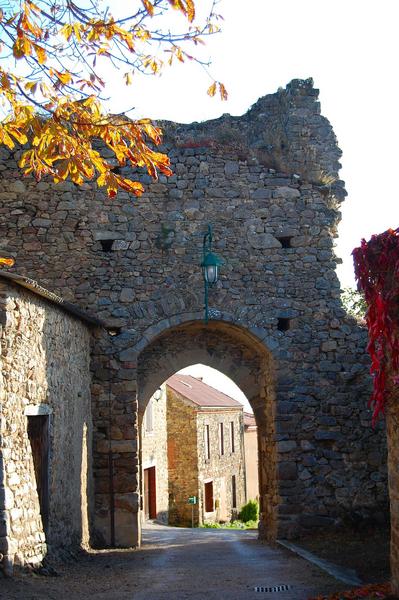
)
(149, 7)
(222, 92)
(6, 261)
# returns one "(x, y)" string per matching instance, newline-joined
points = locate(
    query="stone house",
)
(154, 459)
(205, 452)
(268, 182)
(251, 457)
(46, 484)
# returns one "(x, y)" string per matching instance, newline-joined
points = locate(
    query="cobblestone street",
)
(180, 564)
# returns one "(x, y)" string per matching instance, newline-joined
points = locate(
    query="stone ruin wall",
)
(44, 362)
(260, 180)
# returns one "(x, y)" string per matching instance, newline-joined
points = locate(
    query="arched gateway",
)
(243, 357)
(268, 184)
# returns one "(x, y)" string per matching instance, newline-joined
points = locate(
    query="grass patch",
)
(230, 525)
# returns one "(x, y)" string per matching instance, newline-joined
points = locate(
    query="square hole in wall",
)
(283, 324)
(285, 241)
(106, 245)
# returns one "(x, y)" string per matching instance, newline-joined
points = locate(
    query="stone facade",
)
(268, 183)
(45, 378)
(154, 451)
(251, 457)
(193, 464)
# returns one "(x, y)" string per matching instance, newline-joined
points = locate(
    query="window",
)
(232, 442)
(207, 443)
(221, 439)
(148, 416)
(233, 492)
(209, 496)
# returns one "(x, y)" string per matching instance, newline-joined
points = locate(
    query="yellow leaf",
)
(212, 89)
(22, 47)
(179, 54)
(65, 77)
(31, 86)
(128, 78)
(190, 10)
(40, 53)
(66, 31)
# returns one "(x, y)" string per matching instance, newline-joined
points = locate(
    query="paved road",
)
(180, 564)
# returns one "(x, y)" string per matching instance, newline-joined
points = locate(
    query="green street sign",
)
(192, 500)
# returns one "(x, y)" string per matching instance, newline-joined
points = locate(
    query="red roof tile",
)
(200, 393)
(249, 420)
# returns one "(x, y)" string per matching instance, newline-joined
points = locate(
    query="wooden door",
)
(150, 496)
(39, 442)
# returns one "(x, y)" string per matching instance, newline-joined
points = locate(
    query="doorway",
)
(150, 494)
(38, 433)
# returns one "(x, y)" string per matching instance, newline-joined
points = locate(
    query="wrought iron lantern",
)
(210, 267)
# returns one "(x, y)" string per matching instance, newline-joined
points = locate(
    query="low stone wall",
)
(44, 371)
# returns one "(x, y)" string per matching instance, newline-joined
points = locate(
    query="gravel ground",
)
(177, 564)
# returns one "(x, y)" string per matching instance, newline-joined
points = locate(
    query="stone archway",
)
(237, 353)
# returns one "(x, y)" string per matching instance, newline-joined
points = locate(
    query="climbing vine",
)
(377, 272)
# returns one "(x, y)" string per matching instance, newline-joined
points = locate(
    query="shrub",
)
(250, 511)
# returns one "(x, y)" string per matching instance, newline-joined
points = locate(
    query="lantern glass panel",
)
(211, 273)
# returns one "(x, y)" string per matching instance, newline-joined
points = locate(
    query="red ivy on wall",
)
(377, 272)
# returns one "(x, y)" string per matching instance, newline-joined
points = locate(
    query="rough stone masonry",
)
(268, 183)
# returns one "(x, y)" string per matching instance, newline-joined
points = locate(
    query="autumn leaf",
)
(222, 92)
(149, 7)
(40, 53)
(6, 261)
(128, 78)
(211, 91)
(57, 111)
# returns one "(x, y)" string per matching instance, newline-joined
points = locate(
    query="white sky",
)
(219, 381)
(349, 47)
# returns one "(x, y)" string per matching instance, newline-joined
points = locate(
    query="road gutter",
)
(347, 576)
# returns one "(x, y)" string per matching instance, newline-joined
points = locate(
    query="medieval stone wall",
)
(45, 370)
(268, 183)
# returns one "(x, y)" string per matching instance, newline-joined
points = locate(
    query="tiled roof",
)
(37, 289)
(200, 393)
(249, 420)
